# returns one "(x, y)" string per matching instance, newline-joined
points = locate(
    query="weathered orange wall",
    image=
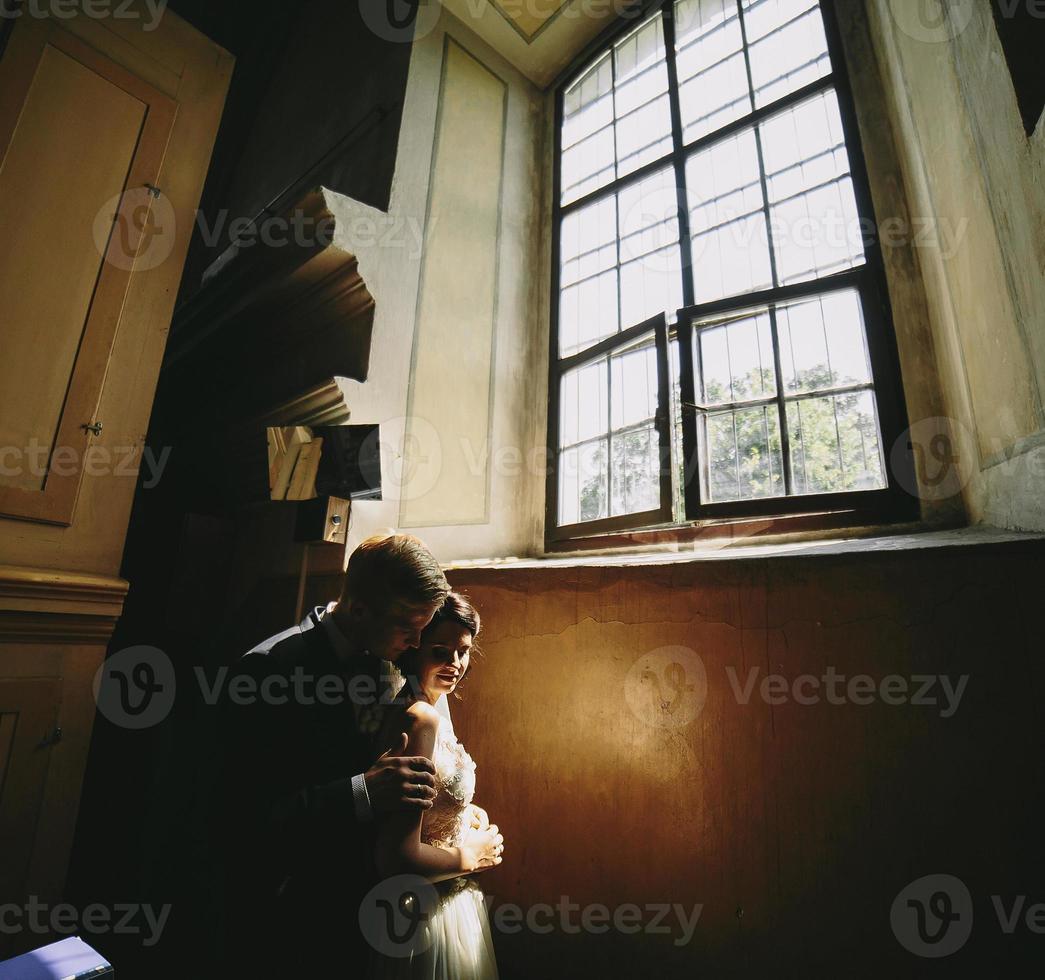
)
(808, 818)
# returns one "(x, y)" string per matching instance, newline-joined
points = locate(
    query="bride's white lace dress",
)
(456, 942)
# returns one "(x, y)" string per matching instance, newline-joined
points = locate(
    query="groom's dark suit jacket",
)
(298, 861)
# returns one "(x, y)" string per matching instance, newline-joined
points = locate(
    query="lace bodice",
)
(455, 787)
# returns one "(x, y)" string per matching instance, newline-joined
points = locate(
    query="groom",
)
(304, 792)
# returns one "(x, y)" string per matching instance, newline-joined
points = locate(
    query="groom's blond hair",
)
(387, 570)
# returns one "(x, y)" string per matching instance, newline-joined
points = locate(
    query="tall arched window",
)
(721, 336)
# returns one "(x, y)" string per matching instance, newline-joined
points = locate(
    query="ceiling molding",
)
(531, 36)
(543, 55)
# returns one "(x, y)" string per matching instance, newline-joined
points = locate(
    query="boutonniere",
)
(369, 718)
(371, 715)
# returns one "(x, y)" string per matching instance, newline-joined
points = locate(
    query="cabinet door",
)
(81, 143)
(28, 714)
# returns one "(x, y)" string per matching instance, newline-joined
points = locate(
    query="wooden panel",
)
(791, 827)
(74, 123)
(194, 72)
(81, 114)
(28, 713)
(448, 433)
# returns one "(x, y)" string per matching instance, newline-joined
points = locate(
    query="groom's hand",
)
(396, 783)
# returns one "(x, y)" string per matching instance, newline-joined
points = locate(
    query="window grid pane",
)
(587, 132)
(730, 243)
(609, 458)
(813, 213)
(617, 115)
(744, 455)
(583, 483)
(835, 444)
(814, 224)
(829, 404)
(787, 45)
(712, 74)
(620, 262)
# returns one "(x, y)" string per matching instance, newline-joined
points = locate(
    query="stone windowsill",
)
(924, 540)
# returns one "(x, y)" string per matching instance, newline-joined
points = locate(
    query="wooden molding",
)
(58, 606)
(268, 340)
(276, 322)
(322, 405)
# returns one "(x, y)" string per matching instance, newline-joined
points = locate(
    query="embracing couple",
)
(343, 774)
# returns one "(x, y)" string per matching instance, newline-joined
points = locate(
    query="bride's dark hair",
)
(456, 608)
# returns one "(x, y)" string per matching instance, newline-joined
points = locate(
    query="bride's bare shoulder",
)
(422, 714)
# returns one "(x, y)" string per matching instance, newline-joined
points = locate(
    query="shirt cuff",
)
(361, 799)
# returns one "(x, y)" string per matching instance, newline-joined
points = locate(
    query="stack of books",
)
(336, 461)
(294, 454)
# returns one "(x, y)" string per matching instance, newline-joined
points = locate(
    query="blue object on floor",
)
(71, 959)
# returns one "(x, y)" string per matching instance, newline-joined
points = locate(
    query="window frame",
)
(857, 507)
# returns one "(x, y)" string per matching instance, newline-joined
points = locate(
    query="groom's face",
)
(388, 632)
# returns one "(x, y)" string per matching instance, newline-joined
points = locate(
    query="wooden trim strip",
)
(61, 593)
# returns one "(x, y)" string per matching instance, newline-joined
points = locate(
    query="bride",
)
(453, 839)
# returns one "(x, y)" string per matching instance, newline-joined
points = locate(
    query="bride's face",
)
(443, 658)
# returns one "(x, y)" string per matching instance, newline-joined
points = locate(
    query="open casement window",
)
(611, 406)
(709, 174)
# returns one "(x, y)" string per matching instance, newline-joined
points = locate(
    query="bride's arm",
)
(399, 849)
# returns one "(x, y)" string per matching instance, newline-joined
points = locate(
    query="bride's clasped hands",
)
(482, 844)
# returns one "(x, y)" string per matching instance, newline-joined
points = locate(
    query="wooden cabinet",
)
(82, 142)
(106, 130)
